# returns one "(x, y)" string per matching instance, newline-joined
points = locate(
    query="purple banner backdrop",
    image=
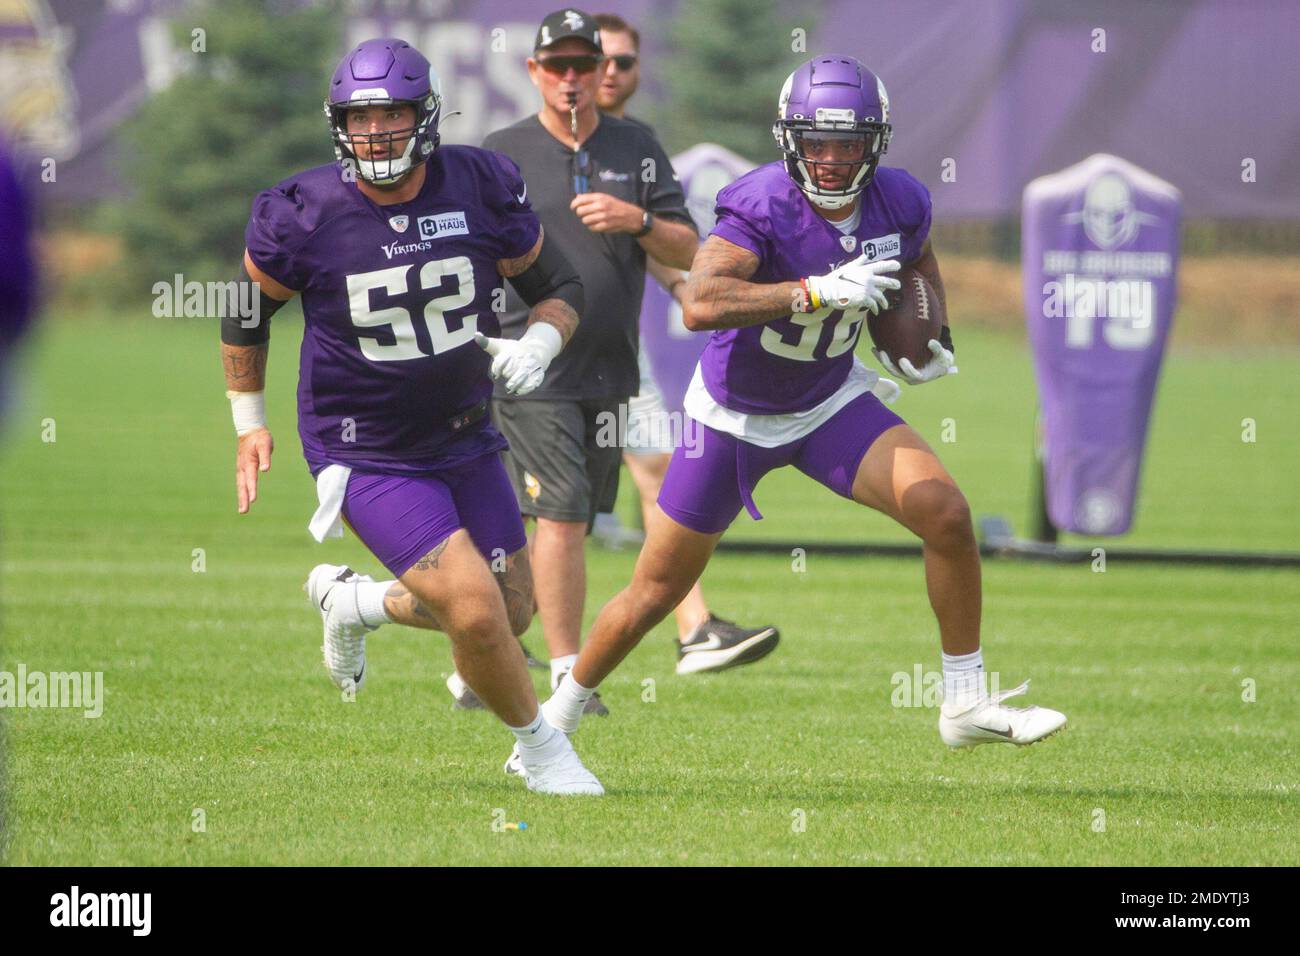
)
(1099, 258)
(672, 348)
(1012, 89)
(986, 94)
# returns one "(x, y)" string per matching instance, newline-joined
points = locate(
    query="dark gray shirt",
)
(625, 161)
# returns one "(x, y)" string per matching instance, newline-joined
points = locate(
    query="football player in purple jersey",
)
(801, 253)
(705, 642)
(399, 251)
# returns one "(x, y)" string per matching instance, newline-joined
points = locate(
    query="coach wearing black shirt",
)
(608, 198)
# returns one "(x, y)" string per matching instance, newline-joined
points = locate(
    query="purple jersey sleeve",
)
(275, 234)
(911, 208)
(742, 219)
(506, 194)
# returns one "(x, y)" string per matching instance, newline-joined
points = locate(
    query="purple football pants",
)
(706, 487)
(401, 518)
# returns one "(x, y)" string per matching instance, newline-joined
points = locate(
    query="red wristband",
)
(809, 301)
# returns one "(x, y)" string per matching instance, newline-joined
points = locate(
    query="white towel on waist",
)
(331, 485)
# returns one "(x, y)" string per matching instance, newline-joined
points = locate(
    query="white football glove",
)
(858, 283)
(886, 390)
(521, 363)
(937, 367)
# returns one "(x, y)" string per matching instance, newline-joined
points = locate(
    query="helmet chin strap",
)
(822, 201)
(397, 168)
(825, 200)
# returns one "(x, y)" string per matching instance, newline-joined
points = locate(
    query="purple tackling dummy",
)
(1100, 259)
(17, 269)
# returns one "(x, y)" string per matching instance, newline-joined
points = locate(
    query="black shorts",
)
(564, 455)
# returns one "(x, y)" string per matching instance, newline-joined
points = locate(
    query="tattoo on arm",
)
(513, 267)
(558, 313)
(719, 296)
(245, 367)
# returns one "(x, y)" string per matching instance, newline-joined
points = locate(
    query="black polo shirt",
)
(626, 161)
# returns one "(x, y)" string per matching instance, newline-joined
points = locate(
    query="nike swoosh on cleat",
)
(712, 644)
(356, 678)
(1001, 733)
(342, 576)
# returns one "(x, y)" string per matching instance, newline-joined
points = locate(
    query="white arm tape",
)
(248, 410)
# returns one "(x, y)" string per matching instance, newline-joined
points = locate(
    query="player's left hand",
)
(521, 363)
(601, 212)
(940, 365)
(513, 363)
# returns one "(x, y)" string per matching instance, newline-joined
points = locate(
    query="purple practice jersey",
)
(392, 297)
(795, 362)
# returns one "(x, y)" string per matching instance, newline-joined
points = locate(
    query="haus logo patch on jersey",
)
(399, 222)
(442, 225)
(882, 247)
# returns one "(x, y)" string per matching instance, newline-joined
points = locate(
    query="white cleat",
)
(463, 696)
(563, 776)
(989, 722)
(332, 590)
(514, 763)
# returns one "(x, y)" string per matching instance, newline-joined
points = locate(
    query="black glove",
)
(945, 339)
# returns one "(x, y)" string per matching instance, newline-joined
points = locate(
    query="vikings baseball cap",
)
(566, 23)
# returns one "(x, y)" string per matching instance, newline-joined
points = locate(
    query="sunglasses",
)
(624, 61)
(583, 63)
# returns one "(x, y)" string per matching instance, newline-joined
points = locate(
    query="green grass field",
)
(216, 699)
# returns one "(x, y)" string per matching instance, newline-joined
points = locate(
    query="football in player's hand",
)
(914, 318)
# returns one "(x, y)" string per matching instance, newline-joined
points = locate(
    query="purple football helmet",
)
(832, 124)
(385, 72)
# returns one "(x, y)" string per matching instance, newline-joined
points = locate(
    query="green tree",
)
(245, 115)
(722, 79)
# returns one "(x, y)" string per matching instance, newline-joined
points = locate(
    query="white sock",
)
(559, 665)
(964, 680)
(370, 602)
(564, 709)
(539, 741)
